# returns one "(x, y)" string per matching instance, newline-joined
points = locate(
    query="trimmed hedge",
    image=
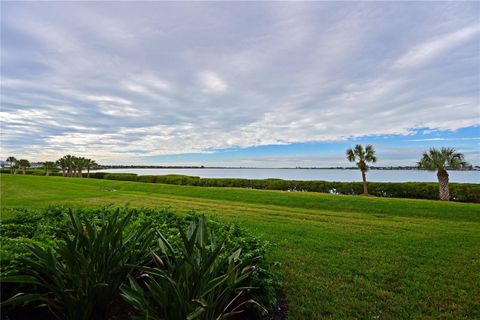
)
(121, 176)
(34, 172)
(464, 192)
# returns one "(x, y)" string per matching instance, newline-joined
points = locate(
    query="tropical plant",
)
(62, 163)
(11, 161)
(200, 280)
(73, 166)
(440, 161)
(77, 165)
(23, 164)
(89, 165)
(362, 156)
(49, 166)
(80, 277)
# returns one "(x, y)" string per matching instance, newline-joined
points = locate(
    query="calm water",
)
(312, 174)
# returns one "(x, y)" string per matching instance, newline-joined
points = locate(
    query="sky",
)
(264, 84)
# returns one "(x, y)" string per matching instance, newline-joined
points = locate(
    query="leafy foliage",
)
(200, 279)
(442, 159)
(80, 276)
(121, 176)
(34, 236)
(362, 156)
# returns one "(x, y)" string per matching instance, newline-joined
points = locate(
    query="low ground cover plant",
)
(76, 261)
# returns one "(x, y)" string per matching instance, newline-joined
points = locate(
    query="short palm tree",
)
(62, 163)
(11, 161)
(362, 156)
(89, 165)
(49, 166)
(440, 161)
(23, 164)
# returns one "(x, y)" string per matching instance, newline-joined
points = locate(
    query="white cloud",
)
(425, 52)
(212, 82)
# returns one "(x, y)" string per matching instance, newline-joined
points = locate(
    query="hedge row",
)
(34, 172)
(465, 192)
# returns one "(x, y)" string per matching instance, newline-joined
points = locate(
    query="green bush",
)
(177, 179)
(47, 231)
(148, 179)
(121, 176)
(97, 175)
(198, 279)
(81, 275)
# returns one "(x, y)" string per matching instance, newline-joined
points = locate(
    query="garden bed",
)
(54, 227)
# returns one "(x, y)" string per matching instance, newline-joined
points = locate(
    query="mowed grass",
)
(342, 257)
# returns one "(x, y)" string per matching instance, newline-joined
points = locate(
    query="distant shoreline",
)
(475, 168)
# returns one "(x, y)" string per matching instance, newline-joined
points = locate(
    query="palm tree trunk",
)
(442, 176)
(63, 172)
(48, 173)
(24, 170)
(88, 172)
(365, 187)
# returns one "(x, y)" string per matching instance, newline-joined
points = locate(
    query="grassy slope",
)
(342, 256)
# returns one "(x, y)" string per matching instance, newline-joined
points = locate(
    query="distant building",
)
(4, 164)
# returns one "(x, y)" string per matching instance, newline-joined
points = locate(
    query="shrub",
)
(121, 176)
(47, 228)
(97, 175)
(198, 280)
(177, 179)
(148, 179)
(80, 276)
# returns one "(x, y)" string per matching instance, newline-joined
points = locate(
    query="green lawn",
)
(342, 257)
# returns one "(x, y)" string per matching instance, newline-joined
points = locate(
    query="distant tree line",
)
(70, 166)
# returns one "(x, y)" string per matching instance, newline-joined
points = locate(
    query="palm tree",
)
(62, 163)
(440, 160)
(79, 163)
(362, 156)
(11, 161)
(89, 165)
(49, 166)
(69, 162)
(23, 164)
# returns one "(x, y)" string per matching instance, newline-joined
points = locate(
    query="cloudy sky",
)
(263, 84)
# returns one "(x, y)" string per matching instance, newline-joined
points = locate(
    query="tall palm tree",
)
(440, 161)
(89, 165)
(11, 161)
(62, 163)
(79, 163)
(362, 156)
(69, 162)
(49, 166)
(23, 164)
